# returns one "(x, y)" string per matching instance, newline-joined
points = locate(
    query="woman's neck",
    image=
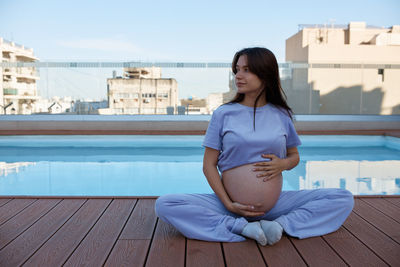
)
(249, 101)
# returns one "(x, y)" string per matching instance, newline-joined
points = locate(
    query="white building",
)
(18, 90)
(214, 100)
(141, 91)
(55, 105)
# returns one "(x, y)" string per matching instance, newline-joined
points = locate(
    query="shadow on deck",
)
(115, 232)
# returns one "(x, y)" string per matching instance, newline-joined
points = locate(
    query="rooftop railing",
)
(85, 87)
(334, 26)
(139, 64)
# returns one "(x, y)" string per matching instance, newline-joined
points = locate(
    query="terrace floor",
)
(125, 231)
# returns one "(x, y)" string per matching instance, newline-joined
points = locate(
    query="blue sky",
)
(201, 31)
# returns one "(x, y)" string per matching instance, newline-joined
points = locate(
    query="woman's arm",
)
(277, 165)
(210, 170)
(210, 161)
(292, 158)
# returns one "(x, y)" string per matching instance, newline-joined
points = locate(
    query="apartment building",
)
(18, 90)
(141, 91)
(354, 69)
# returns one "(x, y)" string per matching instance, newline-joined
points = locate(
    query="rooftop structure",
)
(143, 73)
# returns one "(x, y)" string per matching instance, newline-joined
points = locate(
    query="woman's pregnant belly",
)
(243, 186)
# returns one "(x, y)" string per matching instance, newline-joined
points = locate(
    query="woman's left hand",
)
(270, 169)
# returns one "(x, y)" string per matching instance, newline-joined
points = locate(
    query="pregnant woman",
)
(250, 141)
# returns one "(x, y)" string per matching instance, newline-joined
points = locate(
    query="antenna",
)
(332, 22)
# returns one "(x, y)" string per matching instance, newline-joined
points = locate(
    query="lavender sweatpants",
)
(302, 214)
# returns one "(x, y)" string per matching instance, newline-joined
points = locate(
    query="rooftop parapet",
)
(143, 73)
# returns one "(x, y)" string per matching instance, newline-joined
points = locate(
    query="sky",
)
(172, 31)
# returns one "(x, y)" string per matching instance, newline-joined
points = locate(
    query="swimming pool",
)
(138, 165)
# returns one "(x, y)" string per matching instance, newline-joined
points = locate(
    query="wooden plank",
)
(395, 201)
(129, 253)
(13, 207)
(142, 221)
(351, 250)
(86, 197)
(381, 244)
(3, 201)
(21, 248)
(384, 223)
(384, 206)
(316, 252)
(167, 248)
(61, 245)
(20, 222)
(282, 254)
(243, 254)
(95, 248)
(202, 253)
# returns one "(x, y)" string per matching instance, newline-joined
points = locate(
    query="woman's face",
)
(246, 81)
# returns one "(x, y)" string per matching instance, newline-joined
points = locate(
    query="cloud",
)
(102, 44)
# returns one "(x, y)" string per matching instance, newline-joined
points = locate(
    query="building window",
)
(163, 95)
(148, 95)
(382, 73)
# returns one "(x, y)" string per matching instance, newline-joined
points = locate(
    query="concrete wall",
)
(346, 90)
(295, 50)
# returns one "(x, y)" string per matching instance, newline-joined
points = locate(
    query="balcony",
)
(25, 57)
(10, 91)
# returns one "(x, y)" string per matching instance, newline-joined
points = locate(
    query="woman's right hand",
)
(246, 210)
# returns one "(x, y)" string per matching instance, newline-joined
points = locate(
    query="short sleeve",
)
(293, 139)
(213, 138)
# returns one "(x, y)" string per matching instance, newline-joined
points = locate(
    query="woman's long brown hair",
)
(263, 63)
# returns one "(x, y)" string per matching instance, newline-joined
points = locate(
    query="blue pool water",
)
(157, 165)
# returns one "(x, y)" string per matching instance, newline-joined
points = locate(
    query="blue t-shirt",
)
(231, 132)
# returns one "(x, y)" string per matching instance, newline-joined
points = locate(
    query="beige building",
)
(195, 106)
(141, 91)
(18, 90)
(351, 70)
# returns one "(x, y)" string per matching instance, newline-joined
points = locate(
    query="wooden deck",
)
(117, 232)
